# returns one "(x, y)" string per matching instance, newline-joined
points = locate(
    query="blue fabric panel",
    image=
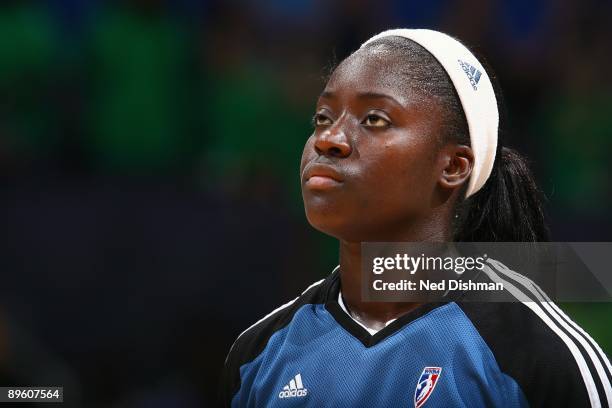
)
(336, 369)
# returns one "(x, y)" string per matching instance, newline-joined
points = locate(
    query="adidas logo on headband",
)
(472, 73)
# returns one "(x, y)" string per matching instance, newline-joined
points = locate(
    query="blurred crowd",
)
(149, 154)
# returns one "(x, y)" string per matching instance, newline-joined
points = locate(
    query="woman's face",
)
(371, 168)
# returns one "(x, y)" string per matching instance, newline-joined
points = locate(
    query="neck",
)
(376, 314)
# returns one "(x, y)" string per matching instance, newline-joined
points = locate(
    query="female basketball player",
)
(405, 148)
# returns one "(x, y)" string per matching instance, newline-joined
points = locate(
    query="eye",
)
(321, 120)
(374, 120)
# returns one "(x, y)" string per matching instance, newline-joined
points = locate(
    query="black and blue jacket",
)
(310, 352)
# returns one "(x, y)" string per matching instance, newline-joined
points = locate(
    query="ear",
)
(458, 161)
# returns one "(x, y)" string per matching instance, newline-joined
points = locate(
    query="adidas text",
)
(293, 393)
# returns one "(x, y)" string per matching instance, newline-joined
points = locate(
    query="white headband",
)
(475, 92)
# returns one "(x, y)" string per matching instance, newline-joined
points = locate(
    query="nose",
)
(333, 142)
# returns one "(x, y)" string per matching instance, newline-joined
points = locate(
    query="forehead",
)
(373, 70)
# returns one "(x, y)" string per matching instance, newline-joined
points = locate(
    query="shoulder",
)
(252, 341)
(535, 342)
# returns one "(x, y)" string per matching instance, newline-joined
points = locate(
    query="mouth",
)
(321, 177)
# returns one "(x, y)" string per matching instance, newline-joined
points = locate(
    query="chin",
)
(333, 225)
(328, 222)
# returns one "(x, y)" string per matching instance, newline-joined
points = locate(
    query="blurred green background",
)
(149, 155)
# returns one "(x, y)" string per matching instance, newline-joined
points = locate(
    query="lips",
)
(321, 176)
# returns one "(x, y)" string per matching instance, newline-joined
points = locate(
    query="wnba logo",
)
(426, 384)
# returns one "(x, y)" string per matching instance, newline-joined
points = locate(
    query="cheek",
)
(401, 173)
(308, 153)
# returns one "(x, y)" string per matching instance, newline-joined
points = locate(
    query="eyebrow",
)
(363, 95)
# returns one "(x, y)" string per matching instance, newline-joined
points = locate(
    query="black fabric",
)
(591, 343)
(530, 352)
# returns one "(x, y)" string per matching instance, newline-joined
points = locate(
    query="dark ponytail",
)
(508, 208)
